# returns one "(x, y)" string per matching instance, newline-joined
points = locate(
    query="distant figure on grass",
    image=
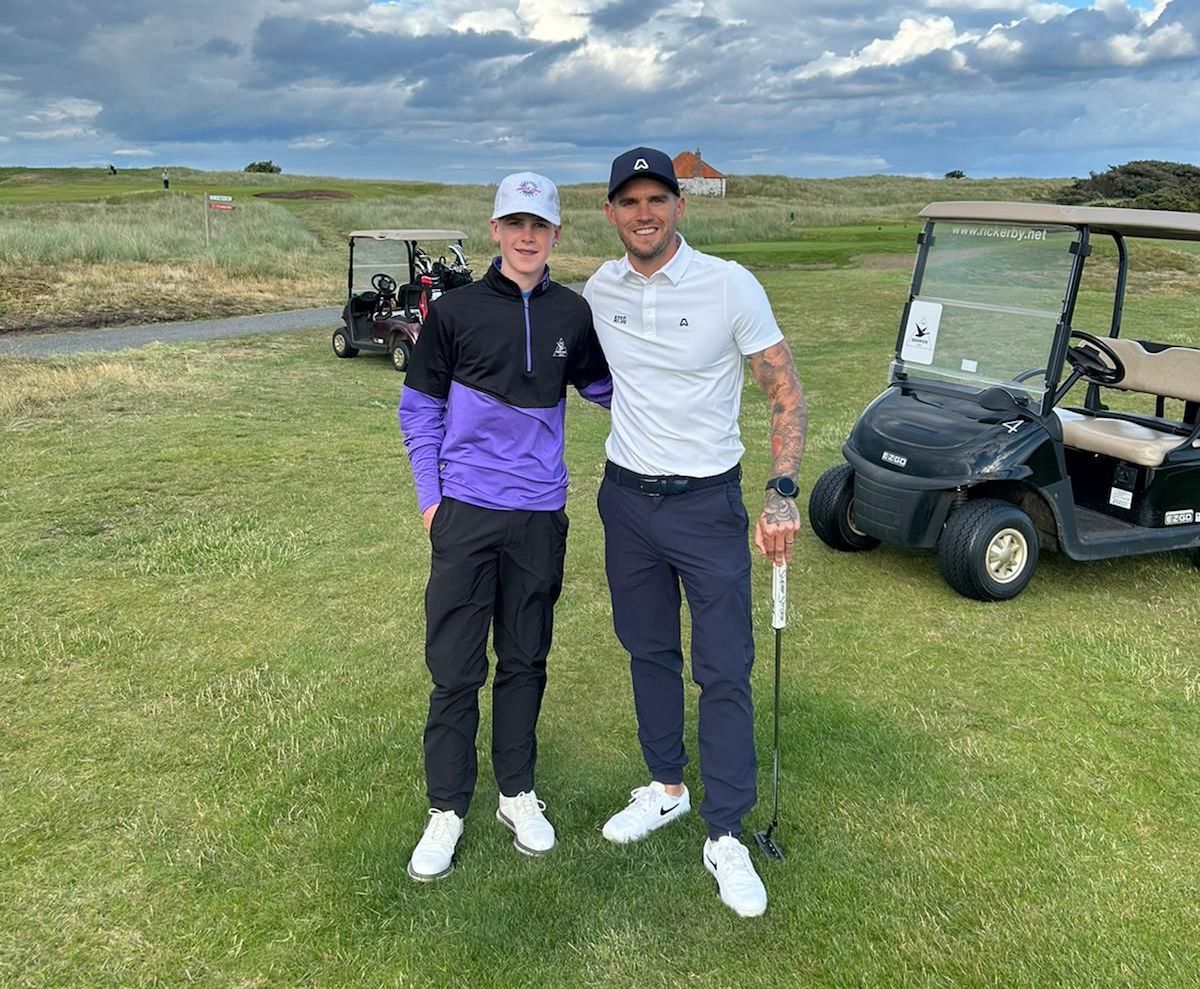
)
(482, 413)
(166, 179)
(677, 326)
(111, 169)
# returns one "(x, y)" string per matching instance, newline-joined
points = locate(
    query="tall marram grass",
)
(263, 239)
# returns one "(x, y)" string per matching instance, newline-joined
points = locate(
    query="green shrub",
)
(1139, 184)
(263, 166)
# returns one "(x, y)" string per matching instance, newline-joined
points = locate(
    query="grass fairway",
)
(212, 694)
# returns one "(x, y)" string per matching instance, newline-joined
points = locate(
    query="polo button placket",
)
(649, 302)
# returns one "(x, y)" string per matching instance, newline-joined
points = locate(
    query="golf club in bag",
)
(766, 843)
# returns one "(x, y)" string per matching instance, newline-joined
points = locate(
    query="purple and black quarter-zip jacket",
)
(483, 406)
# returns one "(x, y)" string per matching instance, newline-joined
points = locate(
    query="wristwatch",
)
(785, 485)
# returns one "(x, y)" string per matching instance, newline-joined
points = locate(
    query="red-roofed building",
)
(697, 177)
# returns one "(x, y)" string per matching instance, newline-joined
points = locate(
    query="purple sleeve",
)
(599, 391)
(589, 373)
(423, 423)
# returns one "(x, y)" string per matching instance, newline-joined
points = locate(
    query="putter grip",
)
(779, 596)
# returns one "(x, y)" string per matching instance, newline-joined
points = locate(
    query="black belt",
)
(670, 484)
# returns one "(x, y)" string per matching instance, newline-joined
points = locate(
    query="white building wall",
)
(702, 187)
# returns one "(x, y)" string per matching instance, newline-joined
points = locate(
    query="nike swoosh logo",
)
(664, 811)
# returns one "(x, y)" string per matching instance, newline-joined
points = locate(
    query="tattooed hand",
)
(777, 527)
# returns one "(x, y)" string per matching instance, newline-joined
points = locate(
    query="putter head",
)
(767, 846)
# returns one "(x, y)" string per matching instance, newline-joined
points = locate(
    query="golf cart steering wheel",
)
(1087, 360)
(383, 284)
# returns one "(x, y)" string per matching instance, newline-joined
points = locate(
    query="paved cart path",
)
(125, 337)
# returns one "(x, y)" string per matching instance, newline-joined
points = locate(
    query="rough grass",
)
(211, 699)
(63, 230)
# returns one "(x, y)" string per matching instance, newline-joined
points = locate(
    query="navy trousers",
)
(503, 570)
(653, 545)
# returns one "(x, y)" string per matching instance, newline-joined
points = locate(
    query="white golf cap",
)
(527, 192)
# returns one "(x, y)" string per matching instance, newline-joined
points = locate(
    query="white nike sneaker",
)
(729, 862)
(522, 815)
(650, 807)
(434, 855)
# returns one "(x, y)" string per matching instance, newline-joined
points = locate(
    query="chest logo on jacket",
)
(560, 348)
(620, 320)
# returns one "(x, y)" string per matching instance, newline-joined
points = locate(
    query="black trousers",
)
(502, 569)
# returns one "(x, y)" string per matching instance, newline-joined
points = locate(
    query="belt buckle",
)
(651, 486)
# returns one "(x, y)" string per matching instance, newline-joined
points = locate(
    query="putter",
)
(766, 843)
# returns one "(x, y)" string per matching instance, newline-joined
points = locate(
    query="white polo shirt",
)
(676, 344)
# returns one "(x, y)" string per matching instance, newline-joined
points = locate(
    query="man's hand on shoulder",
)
(777, 526)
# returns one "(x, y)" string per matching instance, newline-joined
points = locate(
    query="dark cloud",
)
(625, 15)
(223, 46)
(292, 48)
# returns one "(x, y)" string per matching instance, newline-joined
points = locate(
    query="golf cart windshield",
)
(402, 255)
(986, 304)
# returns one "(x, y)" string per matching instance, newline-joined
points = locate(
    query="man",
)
(676, 326)
(482, 415)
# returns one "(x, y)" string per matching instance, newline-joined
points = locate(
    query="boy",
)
(482, 415)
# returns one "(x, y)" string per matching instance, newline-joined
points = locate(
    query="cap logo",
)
(640, 165)
(529, 189)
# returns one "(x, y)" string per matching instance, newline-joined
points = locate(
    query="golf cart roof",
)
(1108, 220)
(408, 234)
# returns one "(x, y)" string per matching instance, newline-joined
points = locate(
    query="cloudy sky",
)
(467, 90)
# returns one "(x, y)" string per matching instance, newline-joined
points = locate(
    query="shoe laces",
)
(439, 828)
(646, 798)
(527, 804)
(733, 855)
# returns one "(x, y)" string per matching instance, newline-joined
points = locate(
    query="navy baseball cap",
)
(642, 162)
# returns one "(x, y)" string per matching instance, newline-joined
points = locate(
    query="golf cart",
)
(973, 447)
(383, 315)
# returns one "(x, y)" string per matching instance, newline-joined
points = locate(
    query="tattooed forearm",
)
(776, 376)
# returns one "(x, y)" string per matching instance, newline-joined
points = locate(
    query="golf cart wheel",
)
(988, 550)
(831, 512)
(341, 344)
(401, 355)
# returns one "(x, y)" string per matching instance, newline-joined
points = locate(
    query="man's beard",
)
(656, 250)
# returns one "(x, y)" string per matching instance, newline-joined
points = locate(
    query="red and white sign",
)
(226, 206)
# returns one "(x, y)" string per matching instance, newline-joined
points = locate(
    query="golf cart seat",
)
(1158, 369)
(1154, 369)
(1128, 441)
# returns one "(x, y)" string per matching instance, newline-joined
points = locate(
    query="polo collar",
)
(673, 269)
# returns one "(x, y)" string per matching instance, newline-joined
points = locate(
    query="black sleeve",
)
(432, 364)
(589, 364)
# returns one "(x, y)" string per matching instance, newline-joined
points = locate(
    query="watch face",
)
(785, 486)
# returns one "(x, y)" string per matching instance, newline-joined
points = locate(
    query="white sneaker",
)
(523, 816)
(434, 855)
(650, 807)
(729, 862)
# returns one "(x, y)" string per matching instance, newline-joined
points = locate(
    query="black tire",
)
(401, 355)
(831, 512)
(341, 344)
(988, 550)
